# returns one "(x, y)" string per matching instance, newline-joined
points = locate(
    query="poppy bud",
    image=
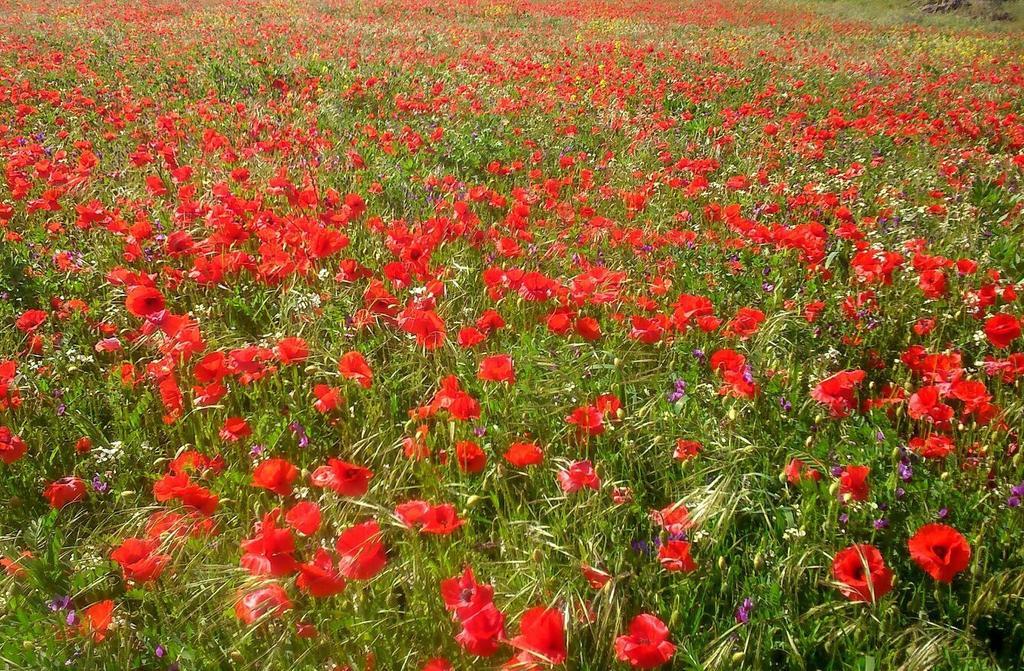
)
(833, 488)
(472, 501)
(721, 563)
(737, 657)
(126, 493)
(27, 644)
(732, 413)
(944, 476)
(810, 439)
(673, 619)
(782, 477)
(538, 555)
(620, 413)
(618, 362)
(758, 562)
(236, 657)
(895, 452)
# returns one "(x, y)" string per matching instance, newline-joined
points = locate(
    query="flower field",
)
(508, 334)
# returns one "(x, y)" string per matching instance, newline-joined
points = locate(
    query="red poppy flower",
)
(342, 478)
(523, 454)
(1002, 329)
(234, 429)
(559, 322)
(144, 301)
(428, 328)
(97, 619)
(362, 551)
(490, 320)
(588, 420)
(271, 550)
(674, 555)
(463, 591)
(796, 471)
(353, 366)
(926, 403)
(291, 350)
(837, 391)
(190, 494)
(587, 328)
(596, 578)
(65, 491)
(30, 320)
(497, 368)
(686, 449)
(277, 475)
(853, 482)
(12, 448)
(862, 573)
(140, 560)
(579, 475)
(673, 518)
(941, 551)
(541, 638)
(269, 601)
(175, 525)
(745, 323)
(304, 517)
(482, 629)
(647, 645)
(470, 337)
(319, 578)
(441, 520)
(935, 446)
(328, 398)
(82, 446)
(453, 399)
(469, 456)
